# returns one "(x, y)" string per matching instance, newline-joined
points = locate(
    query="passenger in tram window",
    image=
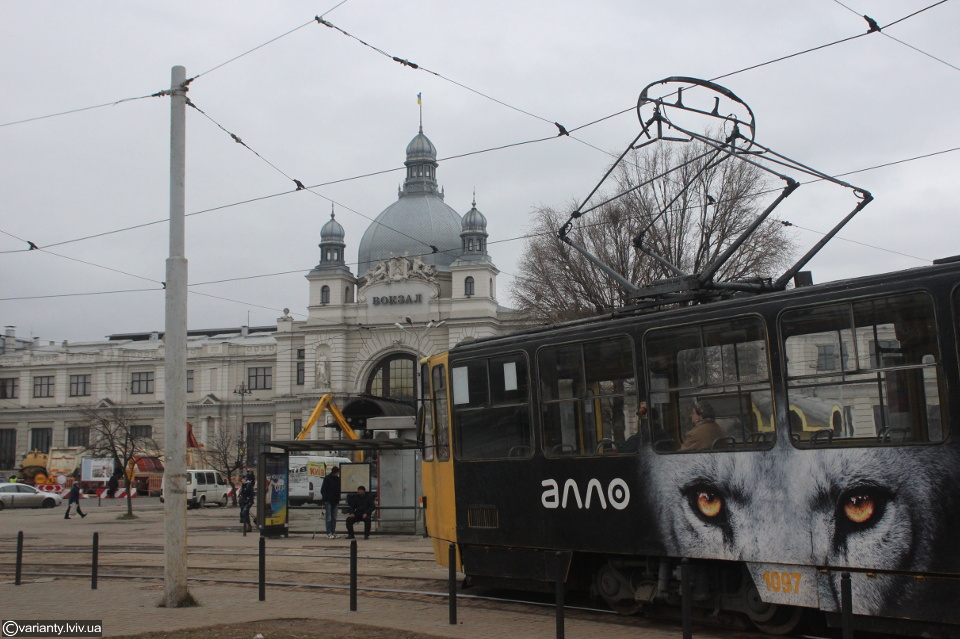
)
(705, 428)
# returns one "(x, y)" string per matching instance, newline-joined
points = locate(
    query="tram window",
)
(721, 368)
(491, 408)
(880, 382)
(440, 417)
(426, 414)
(588, 398)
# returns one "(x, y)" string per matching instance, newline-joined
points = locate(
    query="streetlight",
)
(242, 391)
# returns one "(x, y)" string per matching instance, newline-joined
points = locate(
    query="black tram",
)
(833, 448)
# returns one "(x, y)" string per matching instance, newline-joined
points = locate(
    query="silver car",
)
(23, 496)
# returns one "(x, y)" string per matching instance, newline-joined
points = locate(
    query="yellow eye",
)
(860, 508)
(710, 504)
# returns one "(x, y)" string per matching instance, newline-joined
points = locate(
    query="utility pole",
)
(175, 365)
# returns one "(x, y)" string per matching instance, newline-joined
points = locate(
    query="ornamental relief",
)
(398, 270)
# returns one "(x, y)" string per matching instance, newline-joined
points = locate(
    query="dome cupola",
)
(332, 244)
(332, 230)
(473, 237)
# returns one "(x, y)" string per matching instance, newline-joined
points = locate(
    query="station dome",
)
(419, 223)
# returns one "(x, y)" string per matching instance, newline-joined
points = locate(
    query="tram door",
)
(438, 489)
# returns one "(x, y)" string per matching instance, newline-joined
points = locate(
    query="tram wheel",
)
(773, 619)
(624, 607)
(782, 621)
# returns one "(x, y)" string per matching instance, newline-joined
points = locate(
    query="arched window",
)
(348, 294)
(325, 295)
(394, 377)
(468, 286)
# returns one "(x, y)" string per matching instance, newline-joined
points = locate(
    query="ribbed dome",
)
(474, 220)
(332, 230)
(421, 148)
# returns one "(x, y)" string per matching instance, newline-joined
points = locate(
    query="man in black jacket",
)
(330, 496)
(360, 508)
(247, 497)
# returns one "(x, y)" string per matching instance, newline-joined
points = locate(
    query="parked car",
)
(204, 487)
(24, 496)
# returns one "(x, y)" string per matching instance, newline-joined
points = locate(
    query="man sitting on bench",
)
(360, 507)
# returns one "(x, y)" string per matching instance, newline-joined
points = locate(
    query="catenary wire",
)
(87, 108)
(500, 241)
(477, 152)
(906, 44)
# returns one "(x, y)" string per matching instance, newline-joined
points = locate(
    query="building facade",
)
(424, 283)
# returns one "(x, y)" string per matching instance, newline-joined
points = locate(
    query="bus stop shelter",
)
(394, 477)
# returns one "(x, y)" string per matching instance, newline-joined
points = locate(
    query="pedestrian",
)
(361, 508)
(330, 496)
(74, 498)
(112, 484)
(248, 494)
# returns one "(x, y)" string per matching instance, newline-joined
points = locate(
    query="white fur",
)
(784, 506)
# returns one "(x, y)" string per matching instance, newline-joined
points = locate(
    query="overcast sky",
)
(322, 107)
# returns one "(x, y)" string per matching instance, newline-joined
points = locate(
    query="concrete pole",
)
(175, 338)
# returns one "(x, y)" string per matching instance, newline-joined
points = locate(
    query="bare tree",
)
(226, 451)
(687, 225)
(114, 433)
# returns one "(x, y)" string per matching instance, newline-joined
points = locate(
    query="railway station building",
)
(424, 282)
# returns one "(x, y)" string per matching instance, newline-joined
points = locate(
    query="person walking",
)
(248, 493)
(112, 484)
(330, 496)
(361, 508)
(74, 498)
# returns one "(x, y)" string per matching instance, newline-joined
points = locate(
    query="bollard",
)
(353, 575)
(452, 559)
(95, 562)
(686, 598)
(18, 579)
(561, 576)
(263, 568)
(846, 605)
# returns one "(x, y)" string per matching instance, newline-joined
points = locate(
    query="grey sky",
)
(323, 107)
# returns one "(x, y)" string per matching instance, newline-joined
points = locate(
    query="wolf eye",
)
(710, 504)
(707, 503)
(859, 508)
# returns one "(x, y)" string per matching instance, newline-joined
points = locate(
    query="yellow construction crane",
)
(326, 403)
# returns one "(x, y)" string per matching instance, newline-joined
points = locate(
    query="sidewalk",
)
(129, 608)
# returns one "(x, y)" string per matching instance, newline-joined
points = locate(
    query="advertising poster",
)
(274, 493)
(96, 468)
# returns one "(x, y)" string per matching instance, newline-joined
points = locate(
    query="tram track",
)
(386, 575)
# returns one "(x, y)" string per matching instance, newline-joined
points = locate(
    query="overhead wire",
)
(906, 44)
(407, 63)
(526, 236)
(86, 108)
(475, 152)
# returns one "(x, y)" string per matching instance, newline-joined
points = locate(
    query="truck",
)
(306, 475)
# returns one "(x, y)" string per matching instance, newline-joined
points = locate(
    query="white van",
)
(306, 476)
(203, 487)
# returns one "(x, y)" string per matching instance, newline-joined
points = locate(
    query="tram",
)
(570, 440)
(776, 439)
